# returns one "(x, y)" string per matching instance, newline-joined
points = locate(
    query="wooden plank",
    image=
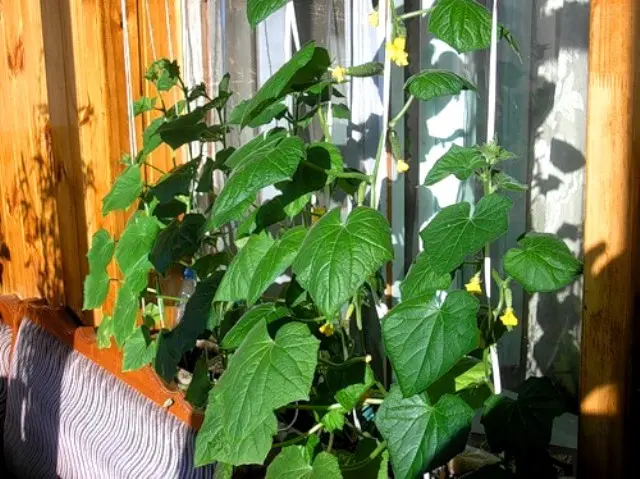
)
(610, 239)
(32, 177)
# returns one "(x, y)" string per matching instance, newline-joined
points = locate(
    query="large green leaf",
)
(252, 175)
(124, 314)
(263, 375)
(173, 344)
(425, 339)
(456, 232)
(303, 68)
(350, 383)
(466, 25)
(458, 161)
(139, 350)
(337, 257)
(96, 284)
(174, 183)
(237, 280)
(256, 148)
(125, 190)
(132, 252)
(430, 84)
(150, 138)
(275, 262)
(258, 10)
(467, 379)
(544, 263)
(179, 239)
(422, 280)
(268, 312)
(422, 436)
(294, 462)
(183, 129)
(523, 427)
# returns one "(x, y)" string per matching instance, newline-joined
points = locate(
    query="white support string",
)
(133, 147)
(150, 27)
(491, 133)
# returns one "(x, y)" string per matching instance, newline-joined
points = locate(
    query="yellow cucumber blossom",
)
(402, 166)
(327, 329)
(374, 19)
(509, 318)
(396, 51)
(338, 73)
(473, 286)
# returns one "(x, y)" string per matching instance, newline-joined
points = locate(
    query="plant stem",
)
(162, 172)
(163, 296)
(330, 445)
(325, 125)
(338, 174)
(402, 112)
(375, 453)
(417, 13)
(348, 362)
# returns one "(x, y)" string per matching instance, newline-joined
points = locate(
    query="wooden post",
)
(610, 240)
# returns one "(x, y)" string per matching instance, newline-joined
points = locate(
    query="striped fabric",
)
(67, 417)
(5, 354)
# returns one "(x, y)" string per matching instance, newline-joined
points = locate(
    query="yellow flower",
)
(509, 318)
(402, 166)
(338, 73)
(374, 19)
(327, 329)
(397, 53)
(473, 286)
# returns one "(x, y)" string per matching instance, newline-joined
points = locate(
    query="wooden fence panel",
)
(64, 133)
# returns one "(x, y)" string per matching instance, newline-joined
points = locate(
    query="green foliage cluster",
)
(294, 366)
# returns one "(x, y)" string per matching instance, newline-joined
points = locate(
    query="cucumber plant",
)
(280, 366)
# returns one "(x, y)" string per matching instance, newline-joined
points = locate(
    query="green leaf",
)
(293, 462)
(303, 68)
(132, 252)
(456, 232)
(139, 350)
(341, 112)
(237, 280)
(333, 420)
(430, 84)
(543, 263)
(173, 344)
(205, 183)
(143, 105)
(421, 436)
(124, 314)
(207, 265)
(96, 284)
(125, 190)
(467, 379)
(183, 129)
(255, 149)
(359, 465)
(425, 339)
(505, 182)
(163, 73)
(223, 471)
(150, 138)
(275, 262)
(522, 425)
(275, 111)
(200, 384)
(350, 383)
(422, 280)
(263, 375)
(175, 183)
(104, 333)
(337, 257)
(268, 312)
(327, 156)
(179, 239)
(458, 161)
(254, 174)
(258, 10)
(463, 24)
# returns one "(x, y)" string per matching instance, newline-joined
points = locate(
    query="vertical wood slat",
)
(64, 132)
(610, 239)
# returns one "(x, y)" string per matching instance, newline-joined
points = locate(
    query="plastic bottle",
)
(186, 290)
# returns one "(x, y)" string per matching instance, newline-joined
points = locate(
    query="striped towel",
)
(67, 417)
(5, 354)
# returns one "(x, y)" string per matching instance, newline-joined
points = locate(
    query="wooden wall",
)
(64, 129)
